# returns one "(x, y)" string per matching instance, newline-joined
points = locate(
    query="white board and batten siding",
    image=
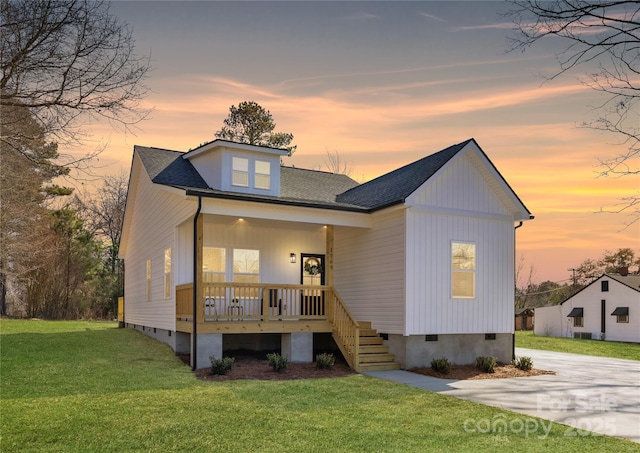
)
(459, 204)
(369, 267)
(158, 210)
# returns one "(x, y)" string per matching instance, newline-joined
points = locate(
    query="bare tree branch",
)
(603, 40)
(69, 61)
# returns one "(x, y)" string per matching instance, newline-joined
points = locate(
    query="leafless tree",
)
(603, 44)
(69, 61)
(103, 212)
(336, 163)
(523, 288)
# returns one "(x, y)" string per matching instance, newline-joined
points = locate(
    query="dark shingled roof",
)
(304, 184)
(168, 168)
(305, 187)
(396, 186)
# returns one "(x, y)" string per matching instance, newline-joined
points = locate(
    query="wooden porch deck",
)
(232, 308)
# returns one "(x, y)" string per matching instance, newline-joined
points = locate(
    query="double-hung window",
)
(463, 270)
(213, 264)
(246, 266)
(240, 169)
(262, 175)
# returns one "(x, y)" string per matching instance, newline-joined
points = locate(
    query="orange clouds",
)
(550, 163)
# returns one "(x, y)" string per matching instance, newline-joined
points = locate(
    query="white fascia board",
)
(223, 144)
(286, 213)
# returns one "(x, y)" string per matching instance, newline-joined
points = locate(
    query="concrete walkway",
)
(588, 393)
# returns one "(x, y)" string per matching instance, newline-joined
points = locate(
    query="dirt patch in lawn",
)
(461, 372)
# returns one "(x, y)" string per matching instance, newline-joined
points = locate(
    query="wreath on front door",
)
(312, 266)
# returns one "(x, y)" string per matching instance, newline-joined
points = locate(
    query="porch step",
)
(370, 340)
(379, 366)
(368, 332)
(376, 358)
(373, 355)
(373, 349)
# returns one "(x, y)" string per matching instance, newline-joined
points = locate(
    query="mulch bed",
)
(462, 372)
(257, 368)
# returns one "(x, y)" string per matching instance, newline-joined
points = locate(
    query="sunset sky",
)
(385, 84)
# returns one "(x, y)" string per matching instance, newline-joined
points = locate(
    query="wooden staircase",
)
(373, 355)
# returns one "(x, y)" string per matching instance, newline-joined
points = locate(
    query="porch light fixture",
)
(292, 257)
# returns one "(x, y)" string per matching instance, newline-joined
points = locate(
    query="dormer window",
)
(240, 172)
(238, 167)
(263, 175)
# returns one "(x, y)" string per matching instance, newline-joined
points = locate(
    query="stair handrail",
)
(346, 329)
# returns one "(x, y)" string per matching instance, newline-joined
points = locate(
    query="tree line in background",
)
(64, 65)
(531, 295)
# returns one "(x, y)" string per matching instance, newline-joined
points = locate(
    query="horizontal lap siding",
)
(369, 271)
(275, 241)
(153, 229)
(433, 222)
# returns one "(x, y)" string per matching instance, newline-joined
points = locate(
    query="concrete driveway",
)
(590, 394)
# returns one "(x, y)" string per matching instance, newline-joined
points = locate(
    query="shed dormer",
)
(238, 167)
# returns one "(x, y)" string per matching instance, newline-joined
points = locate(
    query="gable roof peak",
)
(396, 186)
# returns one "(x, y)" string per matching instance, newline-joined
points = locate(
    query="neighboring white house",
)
(422, 256)
(606, 309)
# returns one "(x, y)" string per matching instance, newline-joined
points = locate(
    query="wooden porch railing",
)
(224, 302)
(346, 330)
(253, 302)
(120, 309)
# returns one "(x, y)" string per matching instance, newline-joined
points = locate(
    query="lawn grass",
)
(526, 339)
(83, 386)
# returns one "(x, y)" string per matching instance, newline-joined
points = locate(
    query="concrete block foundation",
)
(461, 349)
(298, 347)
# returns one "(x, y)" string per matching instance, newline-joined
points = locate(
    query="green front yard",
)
(85, 386)
(526, 339)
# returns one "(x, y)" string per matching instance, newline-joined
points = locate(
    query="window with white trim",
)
(262, 174)
(246, 266)
(463, 270)
(214, 264)
(240, 172)
(148, 280)
(167, 273)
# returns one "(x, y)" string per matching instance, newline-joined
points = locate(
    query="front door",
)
(312, 269)
(312, 274)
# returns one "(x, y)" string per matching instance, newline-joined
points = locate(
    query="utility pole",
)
(573, 279)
